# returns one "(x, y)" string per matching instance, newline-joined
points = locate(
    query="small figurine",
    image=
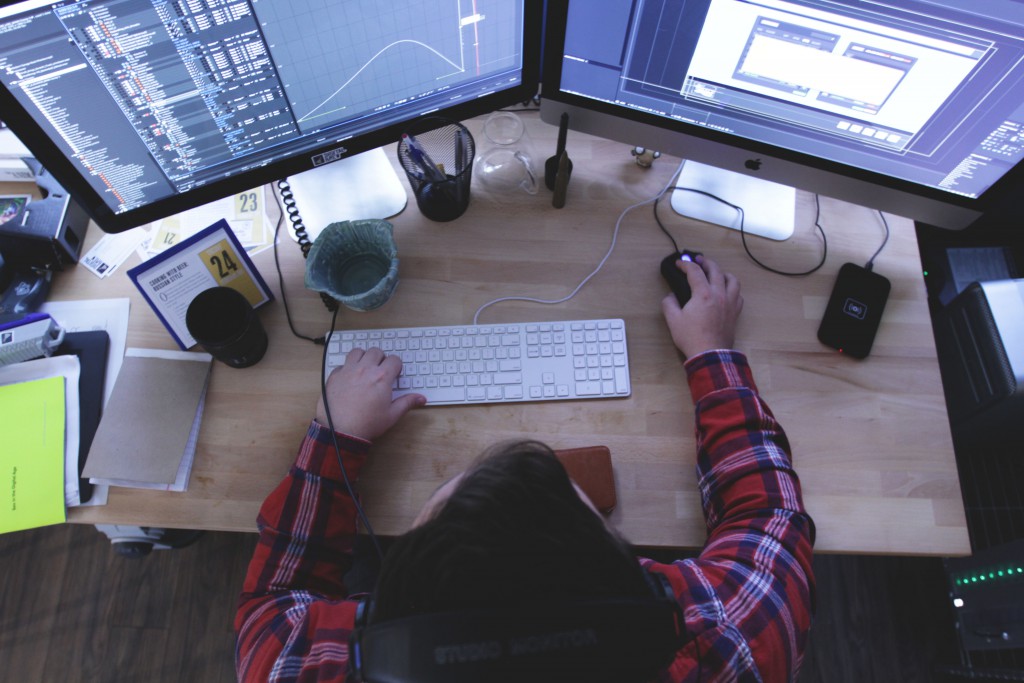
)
(644, 157)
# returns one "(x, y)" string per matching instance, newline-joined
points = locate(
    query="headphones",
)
(612, 640)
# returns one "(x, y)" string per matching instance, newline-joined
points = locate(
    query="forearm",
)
(759, 533)
(307, 528)
(744, 467)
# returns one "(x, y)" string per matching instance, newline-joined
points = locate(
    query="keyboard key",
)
(621, 381)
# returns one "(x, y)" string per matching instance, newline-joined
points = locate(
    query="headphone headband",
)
(594, 640)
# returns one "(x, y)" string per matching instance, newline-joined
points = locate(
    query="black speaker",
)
(49, 233)
(987, 590)
(980, 341)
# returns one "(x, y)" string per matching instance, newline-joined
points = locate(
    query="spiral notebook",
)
(316, 193)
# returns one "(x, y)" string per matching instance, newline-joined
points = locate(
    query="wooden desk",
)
(870, 438)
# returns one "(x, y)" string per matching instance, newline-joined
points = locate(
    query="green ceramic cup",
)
(355, 262)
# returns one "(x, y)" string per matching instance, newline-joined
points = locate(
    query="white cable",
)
(611, 248)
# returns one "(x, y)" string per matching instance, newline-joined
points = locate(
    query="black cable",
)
(657, 219)
(303, 244)
(337, 447)
(871, 262)
(700, 662)
(743, 232)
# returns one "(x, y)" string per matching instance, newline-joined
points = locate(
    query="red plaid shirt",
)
(747, 598)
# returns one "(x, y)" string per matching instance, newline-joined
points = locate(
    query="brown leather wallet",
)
(591, 469)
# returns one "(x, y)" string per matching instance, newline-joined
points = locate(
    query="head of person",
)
(511, 535)
(511, 529)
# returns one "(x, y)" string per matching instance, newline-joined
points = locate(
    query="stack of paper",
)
(91, 315)
(147, 436)
(23, 403)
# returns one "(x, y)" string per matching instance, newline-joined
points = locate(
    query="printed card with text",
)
(211, 258)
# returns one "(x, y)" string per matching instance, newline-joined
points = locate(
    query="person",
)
(513, 527)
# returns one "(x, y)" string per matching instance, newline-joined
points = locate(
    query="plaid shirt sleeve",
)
(749, 596)
(293, 619)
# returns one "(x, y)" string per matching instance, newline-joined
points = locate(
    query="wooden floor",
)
(72, 610)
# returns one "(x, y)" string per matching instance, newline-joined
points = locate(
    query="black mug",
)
(225, 324)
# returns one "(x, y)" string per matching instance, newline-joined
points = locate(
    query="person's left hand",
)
(359, 393)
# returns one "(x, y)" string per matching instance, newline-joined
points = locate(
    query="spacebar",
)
(436, 394)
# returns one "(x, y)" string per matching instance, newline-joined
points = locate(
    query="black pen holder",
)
(437, 155)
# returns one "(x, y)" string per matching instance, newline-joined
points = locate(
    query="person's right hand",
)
(708, 320)
(359, 393)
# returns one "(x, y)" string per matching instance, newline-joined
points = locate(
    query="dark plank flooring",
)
(880, 619)
(72, 610)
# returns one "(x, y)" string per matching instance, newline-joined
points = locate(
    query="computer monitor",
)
(914, 107)
(145, 108)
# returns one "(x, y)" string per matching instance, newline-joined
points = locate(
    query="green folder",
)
(32, 454)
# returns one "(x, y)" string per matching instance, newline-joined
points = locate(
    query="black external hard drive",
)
(854, 310)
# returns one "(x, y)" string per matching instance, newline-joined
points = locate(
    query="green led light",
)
(974, 579)
(958, 582)
(1000, 572)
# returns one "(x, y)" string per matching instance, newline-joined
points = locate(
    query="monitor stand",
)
(769, 208)
(354, 188)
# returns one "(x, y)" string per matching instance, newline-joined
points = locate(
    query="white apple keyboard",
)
(461, 364)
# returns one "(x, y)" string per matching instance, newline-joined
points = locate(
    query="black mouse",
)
(676, 278)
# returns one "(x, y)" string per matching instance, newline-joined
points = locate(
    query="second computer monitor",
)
(916, 108)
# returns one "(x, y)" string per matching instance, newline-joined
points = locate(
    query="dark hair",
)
(514, 532)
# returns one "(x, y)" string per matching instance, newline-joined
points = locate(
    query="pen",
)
(561, 181)
(551, 165)
(459, 147)
(422, 159)
(563, 130)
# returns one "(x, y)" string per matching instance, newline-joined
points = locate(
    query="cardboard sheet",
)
(144, 433)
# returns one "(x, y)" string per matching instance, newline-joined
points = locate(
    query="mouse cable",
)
(285, 190)
(870, 265)
(743, 232)
(604, 259)
(657, 219)
(337, 447)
